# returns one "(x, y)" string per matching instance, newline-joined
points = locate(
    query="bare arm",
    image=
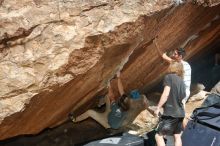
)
(120, 86)
(164, 96)
(167, 58)
(111, 96)
(164, 55)
(163, 99)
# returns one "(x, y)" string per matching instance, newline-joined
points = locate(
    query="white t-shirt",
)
(186, 76)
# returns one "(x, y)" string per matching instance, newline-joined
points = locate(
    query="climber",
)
(173, 114)
(178, 55)
(119, 112)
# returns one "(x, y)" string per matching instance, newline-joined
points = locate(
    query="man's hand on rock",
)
(157, 47)
(118, 74)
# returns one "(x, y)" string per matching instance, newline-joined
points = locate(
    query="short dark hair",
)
(181, 51)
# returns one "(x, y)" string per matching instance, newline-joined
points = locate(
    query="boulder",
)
(216, 89)
(58, 56)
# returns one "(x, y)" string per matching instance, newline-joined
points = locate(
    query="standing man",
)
(178, 55)
(171, 101)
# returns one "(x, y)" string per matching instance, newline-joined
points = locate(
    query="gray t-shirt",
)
(116, 116)
(173, 106)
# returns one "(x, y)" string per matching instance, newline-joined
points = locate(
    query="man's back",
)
(173, 106)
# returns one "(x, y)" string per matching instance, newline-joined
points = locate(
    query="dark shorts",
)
(169, 125)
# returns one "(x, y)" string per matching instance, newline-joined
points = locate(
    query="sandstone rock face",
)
(43, 43)
(208, 2)
(56, 56)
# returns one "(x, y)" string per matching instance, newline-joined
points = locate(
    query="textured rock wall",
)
(56, 56)
(207, 2)
(43, 43)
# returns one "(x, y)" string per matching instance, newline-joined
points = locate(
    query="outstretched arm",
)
(163, 55)
(167, 58)
(163, 99)
(110, 97)
(120, 86)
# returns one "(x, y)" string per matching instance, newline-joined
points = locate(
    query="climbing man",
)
(120, 111)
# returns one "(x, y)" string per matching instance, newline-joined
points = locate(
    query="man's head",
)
(179, 53)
